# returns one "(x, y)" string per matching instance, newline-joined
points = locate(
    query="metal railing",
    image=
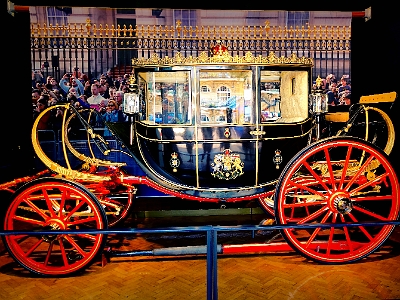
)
(211, 249)
(95, 48)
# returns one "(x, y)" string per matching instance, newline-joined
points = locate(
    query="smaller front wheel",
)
(51, 204)
(337, 181)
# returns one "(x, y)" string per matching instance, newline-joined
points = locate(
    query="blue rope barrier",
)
(197, 228)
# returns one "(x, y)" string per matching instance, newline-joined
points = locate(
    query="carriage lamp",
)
(318, 104)
(318, 100)
(131, 99)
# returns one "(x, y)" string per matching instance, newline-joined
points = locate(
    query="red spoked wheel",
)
(51, 204)
(337, 181)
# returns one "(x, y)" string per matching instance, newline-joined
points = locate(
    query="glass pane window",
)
(186, 16)
(223, 94)
(56, 16)
(126, 11)
(297, 19)
(270, 95)
(166, 96)
(229, 97)
(284, 96)
(205, 89)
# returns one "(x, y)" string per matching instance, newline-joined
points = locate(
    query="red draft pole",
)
(11, 8)
(358, 14)
(20, 8)
(366, 14)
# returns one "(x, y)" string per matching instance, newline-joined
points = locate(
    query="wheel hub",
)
(343, 205)
(53, 224)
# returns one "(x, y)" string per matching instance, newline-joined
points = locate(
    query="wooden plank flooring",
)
(244, 276)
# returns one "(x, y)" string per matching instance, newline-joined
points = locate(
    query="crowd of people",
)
(105, 95)
(338, 92)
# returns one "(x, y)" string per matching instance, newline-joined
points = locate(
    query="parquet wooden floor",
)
(245, 276)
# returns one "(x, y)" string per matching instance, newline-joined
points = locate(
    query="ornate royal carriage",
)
(214, 128)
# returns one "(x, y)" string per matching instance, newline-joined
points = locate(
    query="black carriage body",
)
(205, 128)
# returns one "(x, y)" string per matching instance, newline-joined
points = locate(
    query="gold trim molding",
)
(205, 58)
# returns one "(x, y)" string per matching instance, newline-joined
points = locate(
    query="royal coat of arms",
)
(227, 165)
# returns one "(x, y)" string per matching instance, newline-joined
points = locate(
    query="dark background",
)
(375, 60)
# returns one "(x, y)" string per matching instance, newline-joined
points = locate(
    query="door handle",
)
(257, 132)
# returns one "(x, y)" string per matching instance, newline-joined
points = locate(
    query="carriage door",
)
(226, 117)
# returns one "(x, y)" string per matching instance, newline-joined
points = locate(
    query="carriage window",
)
(167, 97)
(205, 89)
(228, 97)
(284, 96)
(270, 95)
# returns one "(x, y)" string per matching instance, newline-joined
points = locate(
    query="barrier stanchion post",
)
(215, 267)
(212, 279)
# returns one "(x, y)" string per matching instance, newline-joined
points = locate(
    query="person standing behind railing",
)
(344, 90)
(41, 105)
(82, 100)
(332, 95)
(56, 116)
(87, 89)
(55, 86)
(112, 114)
(104, 91)
(330, 79)
(37, 77)
(118, 82)
(69, 81)
(72, 98)
(36, 93)
(109, 78)
(344, 84)
(119, 97)
(112, 90)
(76, 73)
(96, 99)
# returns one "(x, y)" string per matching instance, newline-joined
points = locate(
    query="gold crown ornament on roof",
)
(218, 49)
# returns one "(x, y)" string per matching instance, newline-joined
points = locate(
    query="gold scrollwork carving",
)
(225, 57)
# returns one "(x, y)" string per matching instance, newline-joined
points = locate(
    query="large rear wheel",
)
(51, 204)
(337, 181)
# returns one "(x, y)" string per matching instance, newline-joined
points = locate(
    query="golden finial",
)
(267, 27)
(88, 25)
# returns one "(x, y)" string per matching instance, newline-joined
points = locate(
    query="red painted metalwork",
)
(358, 14)
(20, 8)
